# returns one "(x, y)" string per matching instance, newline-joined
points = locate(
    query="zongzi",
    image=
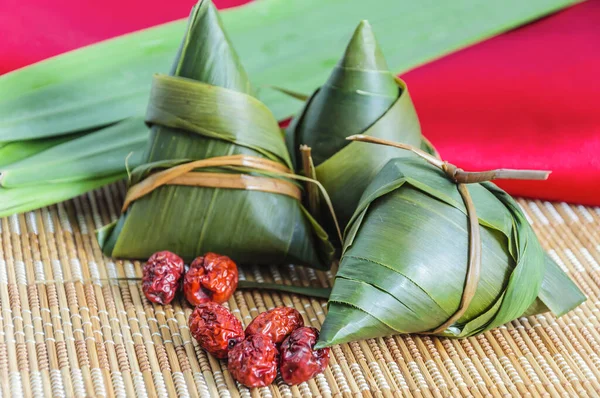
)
(217, 176)
(361, 96)
(408, 254)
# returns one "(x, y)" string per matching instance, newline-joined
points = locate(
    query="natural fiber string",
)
(183, 175)
(474, 261)
(461, 177)
(309, 171)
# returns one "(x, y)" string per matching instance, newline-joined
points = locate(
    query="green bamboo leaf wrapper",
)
(359, 90)
(207, 112)
(405, 256)
(361, 96)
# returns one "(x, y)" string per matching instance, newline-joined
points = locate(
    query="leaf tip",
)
(364, 24)
(321, 344)
(363, 51)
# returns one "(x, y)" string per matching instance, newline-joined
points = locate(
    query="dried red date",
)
(299, 361)
(161, 275)
(276, 323)
(211, 277)
(253, 361)
(215, 328)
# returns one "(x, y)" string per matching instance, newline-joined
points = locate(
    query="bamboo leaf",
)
(19, 200)
(91, 156)
(12, 152)
(282, 43)
(61, 168)
(198, 108)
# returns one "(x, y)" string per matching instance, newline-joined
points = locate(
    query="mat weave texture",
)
(67, 329)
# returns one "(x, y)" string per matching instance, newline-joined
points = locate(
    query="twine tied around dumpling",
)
(461, 178)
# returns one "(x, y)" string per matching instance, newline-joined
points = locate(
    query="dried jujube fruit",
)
(276, 323)
(211, 277)
(253, 361)
(215, 328)
(299, 361)
(161, 275)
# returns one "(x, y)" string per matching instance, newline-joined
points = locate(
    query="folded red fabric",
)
(529, 98)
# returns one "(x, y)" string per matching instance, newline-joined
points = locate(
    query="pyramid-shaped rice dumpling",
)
(406, 257)
(361, 96)
(217, 175)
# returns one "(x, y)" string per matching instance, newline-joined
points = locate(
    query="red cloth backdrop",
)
(529, 98)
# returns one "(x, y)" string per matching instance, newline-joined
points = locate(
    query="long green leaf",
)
(18, 200)
(12, 152)
(319, 292)
(61, 168)
(91, 156)
(287, 43)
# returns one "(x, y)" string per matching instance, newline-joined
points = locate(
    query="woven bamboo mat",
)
(67, 329)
